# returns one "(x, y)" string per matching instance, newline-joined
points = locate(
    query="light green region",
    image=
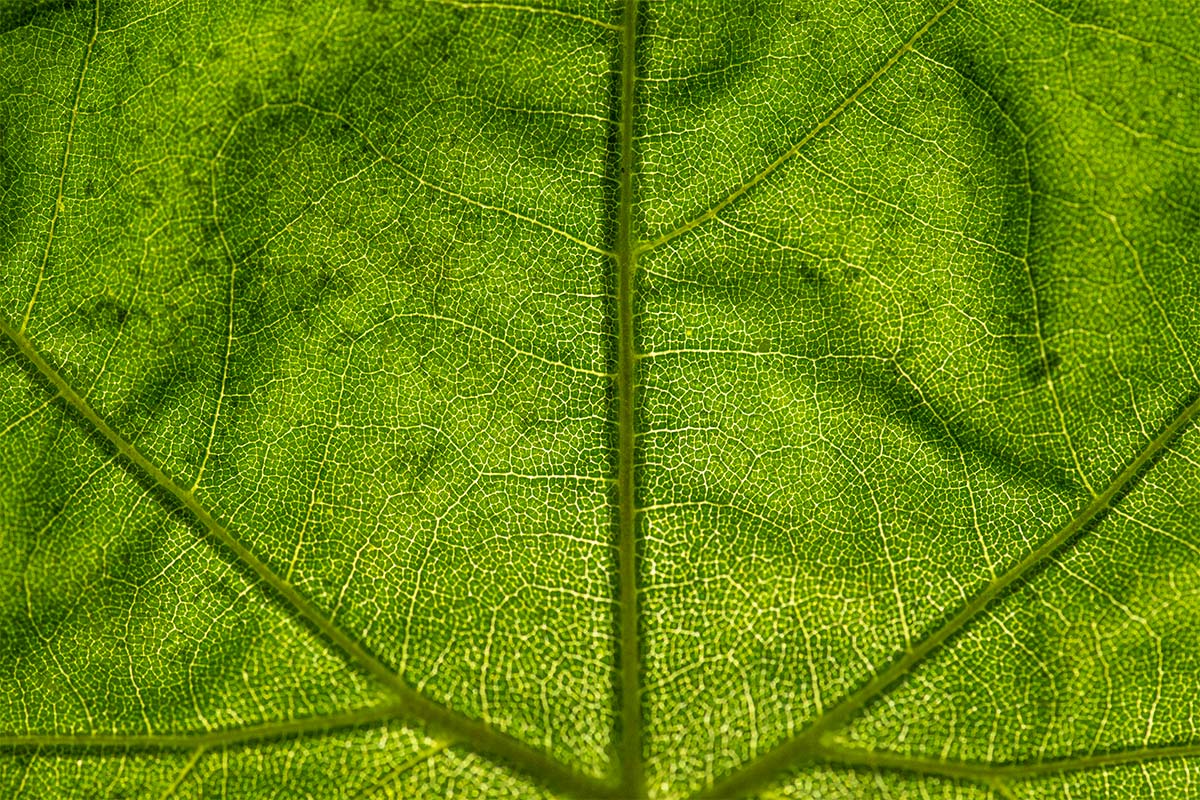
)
(637, 400)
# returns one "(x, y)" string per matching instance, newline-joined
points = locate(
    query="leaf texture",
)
(662, 399)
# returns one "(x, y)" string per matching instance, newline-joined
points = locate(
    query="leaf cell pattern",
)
(645, 400)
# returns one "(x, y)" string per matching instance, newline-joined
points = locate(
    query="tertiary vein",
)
(526, 9)
(62, 169)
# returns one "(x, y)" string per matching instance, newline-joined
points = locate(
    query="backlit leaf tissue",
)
(573, 399)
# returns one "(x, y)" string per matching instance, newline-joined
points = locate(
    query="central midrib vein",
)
(625, 251)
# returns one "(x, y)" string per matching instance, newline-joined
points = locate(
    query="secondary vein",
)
(202, 740)
(791, 152)
(810, 743)
(981, 771)
(474, 733)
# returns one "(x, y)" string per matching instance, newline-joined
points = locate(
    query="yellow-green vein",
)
(186, 770)
(62, 169)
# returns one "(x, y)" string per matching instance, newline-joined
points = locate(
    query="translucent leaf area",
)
(581, 399)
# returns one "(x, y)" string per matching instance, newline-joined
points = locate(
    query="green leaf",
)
(689, 399)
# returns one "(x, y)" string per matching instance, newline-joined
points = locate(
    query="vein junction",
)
(817, 744)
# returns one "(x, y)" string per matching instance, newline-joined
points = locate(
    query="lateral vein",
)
(476, 734)
(982, 771)
(204, 740)
(808, 743)
(790, 153)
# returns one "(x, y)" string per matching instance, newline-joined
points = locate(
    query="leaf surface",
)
(650, 400)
